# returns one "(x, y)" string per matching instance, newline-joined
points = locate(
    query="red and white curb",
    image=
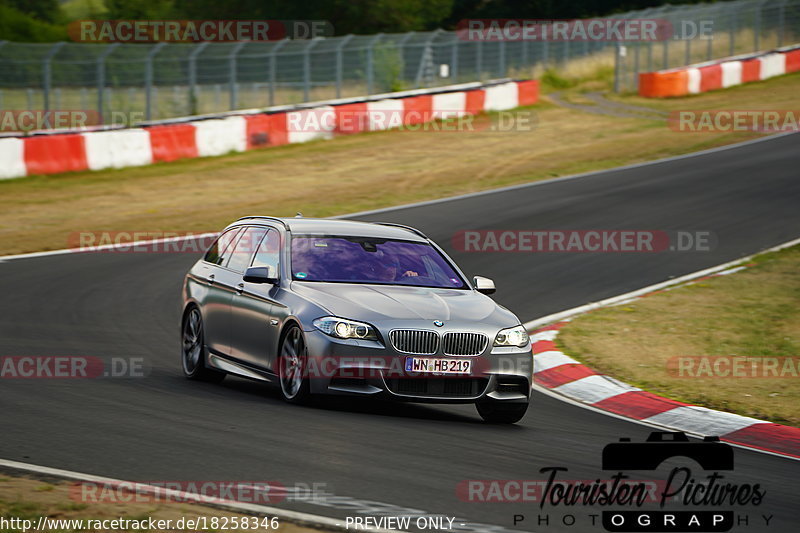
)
(558, 373)
(55, 152)
(719, 74)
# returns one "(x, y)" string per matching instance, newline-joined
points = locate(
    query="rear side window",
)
(240, 257)
(218, 253)
(268, 253)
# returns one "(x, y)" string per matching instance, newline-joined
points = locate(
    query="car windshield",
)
(369, 260)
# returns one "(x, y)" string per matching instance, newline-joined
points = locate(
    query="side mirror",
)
(484, 285)
(260, 275)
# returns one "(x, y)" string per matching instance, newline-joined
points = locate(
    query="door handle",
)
(210, 279)
(240, 288)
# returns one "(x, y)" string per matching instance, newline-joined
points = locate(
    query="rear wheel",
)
(193, 352)
(495, 412)
(292, 367)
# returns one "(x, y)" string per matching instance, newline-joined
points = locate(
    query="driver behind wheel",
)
(388, 267)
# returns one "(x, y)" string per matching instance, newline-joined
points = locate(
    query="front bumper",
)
(368, 368)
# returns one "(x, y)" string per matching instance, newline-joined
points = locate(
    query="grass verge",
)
(754, 313)
(28, 499)
(353, 173)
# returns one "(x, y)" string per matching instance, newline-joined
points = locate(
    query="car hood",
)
(385, 302)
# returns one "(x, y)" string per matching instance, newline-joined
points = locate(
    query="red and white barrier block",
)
(74, 151)
(12, 158)
(704, 77)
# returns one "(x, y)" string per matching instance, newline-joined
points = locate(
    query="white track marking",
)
(700, 419)
(179, 495)
(549, 392)
(547, 335)
(343, 503)
(593, 389)
(550, 359)
(693, 420)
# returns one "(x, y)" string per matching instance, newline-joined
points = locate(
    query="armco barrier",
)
(751, 70)
(49, 154)
(694, 79)
(449, 105)
(475, 102)
(317, 123)
(171, 142)
(57, 152)
(527, 92)
(501, 97)
(118, 149)
(385, 114)
(221, 136)
(731, 73)
(266, 130)
(12, 158)
(351, 118)
(419, 109)
(793, 60)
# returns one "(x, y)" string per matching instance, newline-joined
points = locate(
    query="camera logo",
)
(711, 454)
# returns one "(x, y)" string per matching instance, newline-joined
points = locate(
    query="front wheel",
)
(292, 367)
(193, 351)
(494, 412)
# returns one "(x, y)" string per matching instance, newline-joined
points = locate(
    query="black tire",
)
(292, 367)
(494, 412)
(193, 349)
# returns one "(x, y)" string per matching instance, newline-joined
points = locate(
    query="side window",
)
(244, 249)
(217, 253)
(268, 253)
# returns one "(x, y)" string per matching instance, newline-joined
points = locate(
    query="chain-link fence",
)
(705, 32)
(160, 80)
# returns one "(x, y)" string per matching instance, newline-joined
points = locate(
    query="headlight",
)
(345, 329)
(516, 336)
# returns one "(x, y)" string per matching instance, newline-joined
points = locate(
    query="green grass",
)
(753, 313)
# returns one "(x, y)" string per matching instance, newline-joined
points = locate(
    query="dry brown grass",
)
(753, 313)
(27, 498)
(348, 174)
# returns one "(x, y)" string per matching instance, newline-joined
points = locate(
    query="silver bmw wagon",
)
(319, 306)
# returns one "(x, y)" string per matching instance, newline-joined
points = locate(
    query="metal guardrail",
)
(159, 80)
(733, 28)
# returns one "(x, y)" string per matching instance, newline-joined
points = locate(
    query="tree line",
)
(46, 20)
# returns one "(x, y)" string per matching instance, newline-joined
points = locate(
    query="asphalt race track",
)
(372, 456)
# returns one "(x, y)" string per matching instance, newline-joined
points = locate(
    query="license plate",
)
(438, 366)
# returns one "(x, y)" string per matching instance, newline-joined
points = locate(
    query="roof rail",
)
(409, 228)
(274, 219)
